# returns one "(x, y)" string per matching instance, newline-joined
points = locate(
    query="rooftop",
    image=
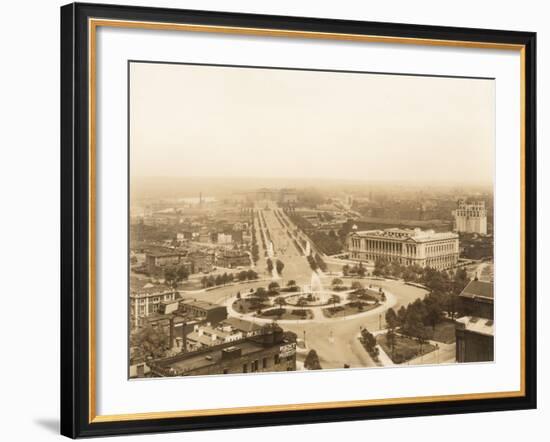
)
(203, 358)
(478, 289)
(151, 290)
(166, 254)
(416, 234)
(197, 303)
(477, 325)
(241, 324)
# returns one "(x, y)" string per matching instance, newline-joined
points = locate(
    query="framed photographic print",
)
(275, 220)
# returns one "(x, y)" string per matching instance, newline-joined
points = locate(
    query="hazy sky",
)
(245, 122)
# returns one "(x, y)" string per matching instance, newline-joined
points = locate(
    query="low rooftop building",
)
(273, 350)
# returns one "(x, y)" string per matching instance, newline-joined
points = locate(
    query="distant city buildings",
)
(475, 331)
(405, 246)
(158, 260)
(277, 195)
(471, 217)
(194, 261)
(232, 259)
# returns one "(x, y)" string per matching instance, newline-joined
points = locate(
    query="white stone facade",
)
(405, 246)
(471, 217)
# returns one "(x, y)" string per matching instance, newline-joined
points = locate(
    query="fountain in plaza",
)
(315, 288)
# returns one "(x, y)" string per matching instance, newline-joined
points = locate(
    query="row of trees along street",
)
(226, 278)
(279, 266)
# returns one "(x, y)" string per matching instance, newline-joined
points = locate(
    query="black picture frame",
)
(75, 221)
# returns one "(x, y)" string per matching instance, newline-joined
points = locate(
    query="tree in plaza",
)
(273, 286)
(312, 361)
(280, 301)
(402, 314)
(451, 302)
(345, 270)
(368, 339)
(269, 265)
(150, 342)
(380, 267)
(356, 285)
(361, 270)
(302, 301)
(171, 277)
(391, 319)
(390, 339)
(291, 283)
(204, 282)
(261, 293)
(320, 263)
(395, 269)
(334, 299)
(280, 265)
(251, 274)
(182, 273)
(312, 263)
(392, 323)
(460, 280)
(414, 320)
(337, 283)
(414, 326)
(434, 310)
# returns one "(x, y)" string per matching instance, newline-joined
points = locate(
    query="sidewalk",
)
(385, 360)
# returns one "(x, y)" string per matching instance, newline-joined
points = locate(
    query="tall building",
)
(405, 246)
(471, 217)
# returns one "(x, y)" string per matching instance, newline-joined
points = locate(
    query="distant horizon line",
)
(348, 180)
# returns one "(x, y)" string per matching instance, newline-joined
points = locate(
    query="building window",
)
(277, 359)
(264, 363)
(225, 371)
(245, 368)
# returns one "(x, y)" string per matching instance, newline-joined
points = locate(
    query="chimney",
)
(184, 337)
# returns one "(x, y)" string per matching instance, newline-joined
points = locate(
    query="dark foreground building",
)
(475, 331)
(272, 350)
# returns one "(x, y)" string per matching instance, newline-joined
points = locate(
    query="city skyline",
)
(292, 220)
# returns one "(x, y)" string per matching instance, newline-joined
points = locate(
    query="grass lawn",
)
(405, 348)
(286, 313)
(247, 306)
(347, 309)
(443, 332)
(192, 284)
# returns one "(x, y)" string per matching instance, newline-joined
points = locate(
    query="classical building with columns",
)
(471, 217)
(406, 246)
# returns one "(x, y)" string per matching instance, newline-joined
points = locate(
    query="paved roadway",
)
(335, 342)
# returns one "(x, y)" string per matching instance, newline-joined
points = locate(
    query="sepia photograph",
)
(285, 219)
